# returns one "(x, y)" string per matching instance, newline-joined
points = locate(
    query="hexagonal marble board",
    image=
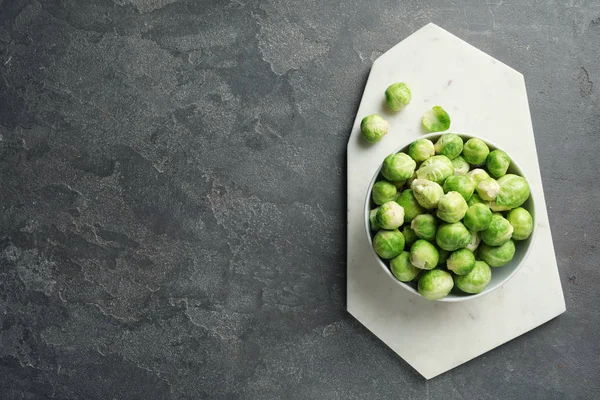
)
(483, 97)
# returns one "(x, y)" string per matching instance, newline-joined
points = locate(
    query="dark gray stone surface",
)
(172, 185)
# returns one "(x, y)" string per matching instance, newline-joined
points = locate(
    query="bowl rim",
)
(450, 299)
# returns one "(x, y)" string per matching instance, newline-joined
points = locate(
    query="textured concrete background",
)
(172, 184)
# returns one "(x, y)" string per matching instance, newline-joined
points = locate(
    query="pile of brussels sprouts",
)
(444, 213)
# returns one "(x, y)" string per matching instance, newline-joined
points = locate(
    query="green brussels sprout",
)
(373, 128)
(522, 223)
(460, 184)
(475, 281)
(402, 269)
(475, 199)
(488, 189)
(461, 261)
(435, 284)
(475, 240)
(478, 217)
(421, 149)
(388, 244)
(497, 256)
(449, 145)
(452, 237)
(497, 163)
(452, 207)
(398, 167)
(475, 151)
(409, 235)
(427, 193)
(436, 169)
(424, 226)
(443, 257)
(390, 215)
(424, 255)
(397, 95)
(498, 232)
(399, 185)
(373, 219)
(384, 191)
(461, 166)
(514, 190)
(477, 175)
(411, 206)
(436, 120)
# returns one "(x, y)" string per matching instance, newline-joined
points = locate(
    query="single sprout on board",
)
(449, 145)
(421, 149)
(425, 226)
(373, 219)
(461, 166)
(427, 193)
(477, 175)
(522, 223)
(398, 167)
(383, 191)
(424, 255)
(373, 128)
(497, 256)
(461, 261)
(452, 237)
(498, 232)
(435, 284)
(402, 269)
(436, 120)
(475, 240)
(390, 215)
(497, 163)
(411, 206)
(488, 189)
(409, 236)
(478, 217)
(475, 151)
(388, 244)
(451, 207)
(460, 184)
(475, 281)
(436, 169)
(397, 96)
(514, 190)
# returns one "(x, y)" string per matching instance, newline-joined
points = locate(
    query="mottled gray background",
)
(172, 194)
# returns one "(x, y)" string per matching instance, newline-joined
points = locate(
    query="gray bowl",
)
(500, 275)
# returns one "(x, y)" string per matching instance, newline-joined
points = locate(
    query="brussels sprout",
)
(497, 163)
(475, 151)
(449, 145)
(452, 207)
(498, 232)
(444, 254)
(460, 184)
(461, 166)
(436, 169)
(477, 175)
(388, 244)
(452, 237)
(435, 284)
(373, 219)
(424, 226)
(478, 217)
(399, 185)
(390, 215)
(421, 149)
(461, 262)
(409, 236)
(402, 269)
(427, 193)
(398, 167)
(436, 119)
(384, 191)
(475, 199)
(488, 189)
(475, 240)
(497, 256)
(397, 95)
(373, 128)
(476, 280)
(424, 255)
(411, 206)
(522, 223)
(514, 190)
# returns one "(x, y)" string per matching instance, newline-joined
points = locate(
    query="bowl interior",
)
(500, 275)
